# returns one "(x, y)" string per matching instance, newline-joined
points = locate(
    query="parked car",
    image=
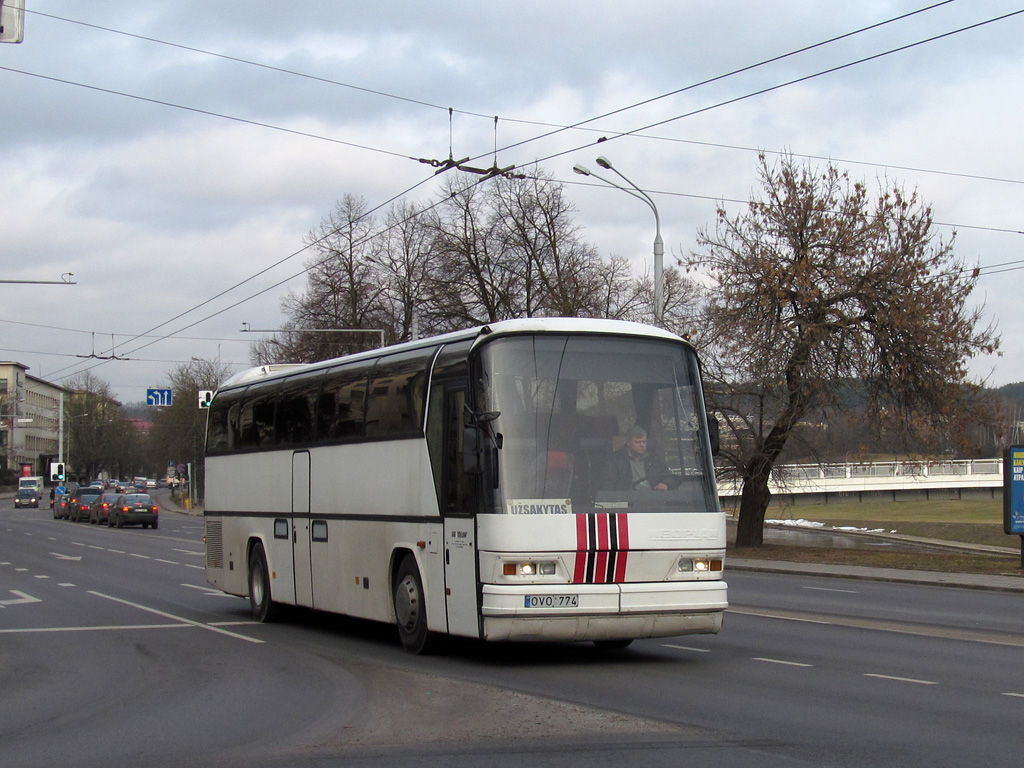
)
(99, 512)
(81, 504)
(26, 497)
(134, 509)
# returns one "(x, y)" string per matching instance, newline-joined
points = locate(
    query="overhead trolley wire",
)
(769, 89)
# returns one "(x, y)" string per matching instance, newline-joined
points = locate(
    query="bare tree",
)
(486, 250)
(100, 438)
(475, 280)
(179, 430)
(815, 284)
(344, 290)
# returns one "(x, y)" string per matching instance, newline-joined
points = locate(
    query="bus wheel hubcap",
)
(407, 603)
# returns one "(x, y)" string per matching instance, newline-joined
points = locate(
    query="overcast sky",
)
(161, 175)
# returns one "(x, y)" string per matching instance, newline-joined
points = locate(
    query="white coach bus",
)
(537, 479)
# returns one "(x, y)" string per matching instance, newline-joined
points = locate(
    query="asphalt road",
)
(113, 651)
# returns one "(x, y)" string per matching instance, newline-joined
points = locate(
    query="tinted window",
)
(296, 409)
(341, 404)
(256, 421)
(398, 386)
(222, 425)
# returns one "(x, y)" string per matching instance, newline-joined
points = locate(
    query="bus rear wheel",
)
(411, 608)
(264, 609)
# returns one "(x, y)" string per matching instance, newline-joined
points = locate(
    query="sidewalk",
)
(1008, 583)
(896, 575)
(175, 503)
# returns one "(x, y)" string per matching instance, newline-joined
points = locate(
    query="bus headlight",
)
(529, 569)
(698, 564)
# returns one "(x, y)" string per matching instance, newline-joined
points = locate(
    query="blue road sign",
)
(158, 397)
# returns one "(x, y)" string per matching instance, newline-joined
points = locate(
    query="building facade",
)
(30, 421)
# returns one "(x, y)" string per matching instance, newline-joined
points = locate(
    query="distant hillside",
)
(1013, 393)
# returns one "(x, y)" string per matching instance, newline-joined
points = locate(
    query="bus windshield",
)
(588, 423)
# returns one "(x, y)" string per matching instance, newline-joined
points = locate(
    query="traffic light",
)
(57, 472)
(205, 398)
(12, 21)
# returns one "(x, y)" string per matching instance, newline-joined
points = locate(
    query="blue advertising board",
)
(1013, 490)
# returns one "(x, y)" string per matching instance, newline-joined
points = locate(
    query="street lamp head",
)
(605, 163)
(581, 170)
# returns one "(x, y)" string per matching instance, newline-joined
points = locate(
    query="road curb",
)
(992, 583)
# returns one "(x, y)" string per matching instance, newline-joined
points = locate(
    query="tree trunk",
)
(754, 500)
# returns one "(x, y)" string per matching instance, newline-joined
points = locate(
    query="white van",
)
(32, 483)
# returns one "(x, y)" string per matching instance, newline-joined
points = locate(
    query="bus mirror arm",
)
(485, 417)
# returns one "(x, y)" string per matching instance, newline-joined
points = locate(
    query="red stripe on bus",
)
(602, 532)
(620, 563)
(580, 574)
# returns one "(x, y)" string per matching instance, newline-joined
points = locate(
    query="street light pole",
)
(659, 245)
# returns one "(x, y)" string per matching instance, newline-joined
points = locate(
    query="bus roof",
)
(499, 328)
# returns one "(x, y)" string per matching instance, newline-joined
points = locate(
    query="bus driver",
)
(632, 467)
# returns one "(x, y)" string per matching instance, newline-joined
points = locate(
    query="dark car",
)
(82, 503)
(62, 501)
(134, 509)
(99, 512)
(27, 497)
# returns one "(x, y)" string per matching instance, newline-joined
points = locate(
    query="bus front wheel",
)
(263, 607)
(411, 608)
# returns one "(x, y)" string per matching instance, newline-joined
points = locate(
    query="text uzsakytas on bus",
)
(540, 479)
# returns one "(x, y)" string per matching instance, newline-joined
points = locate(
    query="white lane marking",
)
(169, 562)
(41, 576)
(686, 648)
(176, 618)
(59, 556)
(1015, 695)
(141, 557)
(829, 589)
(208, 590)
(65, 584)
(200, 567)
(777, 616)
(782, 661)
(901, 679)
(22, 599)
(189, 552)
(118, 627)
(117, 551)
(93, 546)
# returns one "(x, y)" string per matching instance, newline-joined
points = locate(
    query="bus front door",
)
(301, 540)
(460, 569)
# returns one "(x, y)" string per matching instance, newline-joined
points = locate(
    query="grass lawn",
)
(975, 522)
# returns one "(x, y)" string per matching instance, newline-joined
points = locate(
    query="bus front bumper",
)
(602, 611)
